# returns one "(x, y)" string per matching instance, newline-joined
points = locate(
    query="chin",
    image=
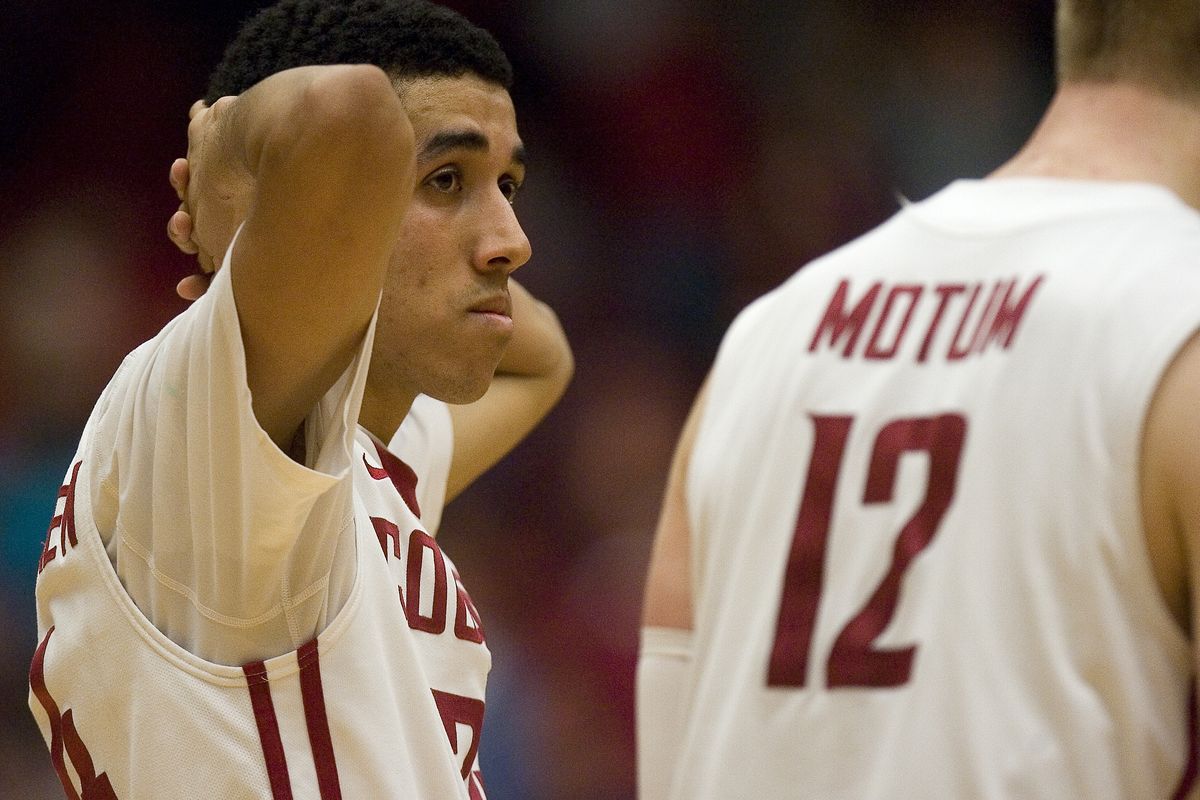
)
(458, 398)
(461, 389)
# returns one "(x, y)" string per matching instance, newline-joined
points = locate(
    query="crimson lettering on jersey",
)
(65, 742)
(428, 611)
(456, 710)
(387, 531)
(421, 544)
(967, 319)
(475, 786)
(64, 522)
(467, 624)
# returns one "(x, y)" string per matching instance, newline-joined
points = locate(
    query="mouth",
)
(497, 305)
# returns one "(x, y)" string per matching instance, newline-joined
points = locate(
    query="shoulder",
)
(425, 442)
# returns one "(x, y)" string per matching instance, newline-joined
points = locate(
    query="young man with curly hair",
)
(241, 594)
(933, 527)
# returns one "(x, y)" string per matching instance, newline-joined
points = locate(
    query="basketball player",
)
(240, 594)
(934, 521)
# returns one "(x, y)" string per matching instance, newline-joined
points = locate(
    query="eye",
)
(511, 187)
(447, 180)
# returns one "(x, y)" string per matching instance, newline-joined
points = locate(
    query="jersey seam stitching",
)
(210, 613)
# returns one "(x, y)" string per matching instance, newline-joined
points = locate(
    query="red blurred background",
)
(685, 156)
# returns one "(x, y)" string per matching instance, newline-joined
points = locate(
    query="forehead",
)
(463, 104)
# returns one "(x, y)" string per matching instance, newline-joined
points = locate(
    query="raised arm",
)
(318, 163)
(530, 379)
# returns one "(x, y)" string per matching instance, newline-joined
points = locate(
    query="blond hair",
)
(1150, 42)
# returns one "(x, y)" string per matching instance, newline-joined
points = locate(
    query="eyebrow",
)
(445, 141)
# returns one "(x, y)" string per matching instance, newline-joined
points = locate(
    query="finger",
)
(193, 287)
(185, 245)
(179, 176)
(180, 225)
(179, 230)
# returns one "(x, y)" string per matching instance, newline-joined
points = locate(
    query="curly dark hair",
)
(404, 38)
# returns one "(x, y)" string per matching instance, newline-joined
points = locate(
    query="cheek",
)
(424, 269)
(413, 299)
(430, 236)
(411, 285)
(408, 271)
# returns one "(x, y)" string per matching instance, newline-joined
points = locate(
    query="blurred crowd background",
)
(686, 156)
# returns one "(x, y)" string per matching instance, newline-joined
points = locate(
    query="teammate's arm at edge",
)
(665, 657)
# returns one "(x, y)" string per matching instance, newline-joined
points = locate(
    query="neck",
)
(383, 409)
(1116, 132)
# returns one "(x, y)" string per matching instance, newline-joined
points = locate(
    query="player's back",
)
(919, 565)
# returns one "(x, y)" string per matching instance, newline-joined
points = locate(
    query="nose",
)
(503, 245)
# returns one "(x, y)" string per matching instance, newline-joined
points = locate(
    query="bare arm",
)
(1171, 485)
(530, 379)
(666, 654)
(1171, 492)
(318, 162)
(668, 598)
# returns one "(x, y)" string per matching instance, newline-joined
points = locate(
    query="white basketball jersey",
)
(174, 497)
(919, 569)
(386, 702)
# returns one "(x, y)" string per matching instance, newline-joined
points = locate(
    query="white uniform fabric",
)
(216, 620)
(933, 433)
(664, 659)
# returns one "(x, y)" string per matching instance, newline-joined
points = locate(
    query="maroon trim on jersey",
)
(400, 474)
(37, 683)
(1187, 781)
(268, 730)
(319, 738)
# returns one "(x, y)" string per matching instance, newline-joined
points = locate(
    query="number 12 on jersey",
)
(854, 660)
